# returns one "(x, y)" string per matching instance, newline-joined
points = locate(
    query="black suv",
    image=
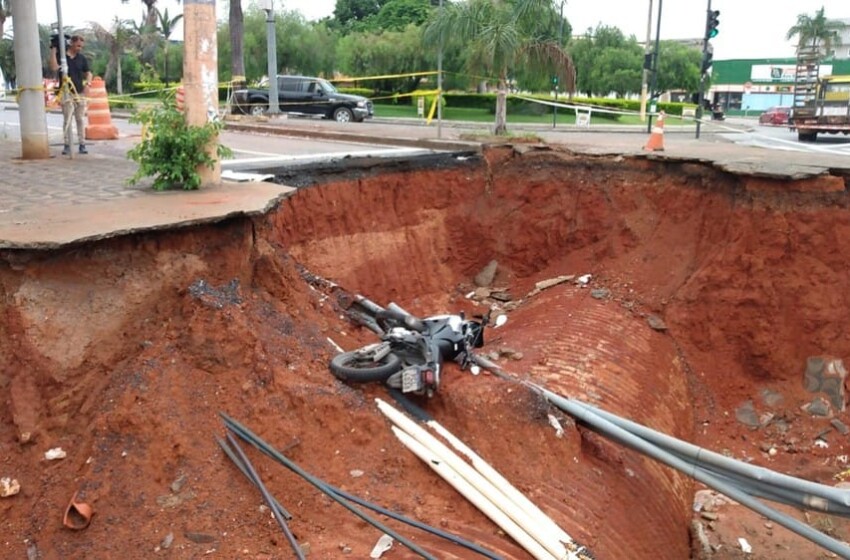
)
(306, 96)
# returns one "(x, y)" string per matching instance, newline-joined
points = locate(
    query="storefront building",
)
(749, 86)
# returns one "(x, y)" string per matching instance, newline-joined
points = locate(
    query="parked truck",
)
(821, 103)
(305, 95)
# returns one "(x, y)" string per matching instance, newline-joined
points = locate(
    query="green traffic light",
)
(713, 22)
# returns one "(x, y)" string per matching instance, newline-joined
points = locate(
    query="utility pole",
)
(647, 63)
(274, 106)
(34, 143)
(654, 68)
(200, 75)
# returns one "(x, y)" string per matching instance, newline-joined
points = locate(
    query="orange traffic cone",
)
(179, 97)
(100, 121)
(656, 138)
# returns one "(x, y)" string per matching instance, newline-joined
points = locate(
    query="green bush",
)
(364, 92)
(171, 150)
(116, 102)
(148, 89)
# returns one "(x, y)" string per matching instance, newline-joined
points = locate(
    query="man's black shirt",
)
(78, 66)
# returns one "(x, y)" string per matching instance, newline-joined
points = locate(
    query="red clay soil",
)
(707, 291)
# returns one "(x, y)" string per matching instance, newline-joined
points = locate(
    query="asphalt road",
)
(253, 150)
(250, 150)
(749, 133)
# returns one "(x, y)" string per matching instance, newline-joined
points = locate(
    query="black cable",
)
(236, 461)
(266, 496)
(412, 522)
(257, 442)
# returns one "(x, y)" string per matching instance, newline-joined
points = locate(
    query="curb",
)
(432, 143)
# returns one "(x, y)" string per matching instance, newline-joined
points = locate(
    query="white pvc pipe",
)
(479, 500)
(502, 483)
(549, 541)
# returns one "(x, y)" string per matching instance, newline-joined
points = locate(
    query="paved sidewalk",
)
(49, 203)
(45, 204)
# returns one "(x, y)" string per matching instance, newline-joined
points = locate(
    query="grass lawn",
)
(564, 116)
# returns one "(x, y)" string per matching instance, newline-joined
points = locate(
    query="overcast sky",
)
(748, 28)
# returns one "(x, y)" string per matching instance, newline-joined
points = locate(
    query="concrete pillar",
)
(200, 73)
(34, 143)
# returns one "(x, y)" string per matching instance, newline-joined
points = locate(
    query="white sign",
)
(781, 72)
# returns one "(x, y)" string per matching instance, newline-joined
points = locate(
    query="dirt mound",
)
(708, 293)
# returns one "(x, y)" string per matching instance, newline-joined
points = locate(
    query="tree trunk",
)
(165, 72)
(237, 58)
(502, 108)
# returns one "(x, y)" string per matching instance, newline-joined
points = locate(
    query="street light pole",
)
(646, 51)
(274, 106)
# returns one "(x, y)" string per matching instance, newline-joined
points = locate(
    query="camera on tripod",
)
(54, 41)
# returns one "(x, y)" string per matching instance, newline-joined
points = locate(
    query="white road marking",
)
(269, 157)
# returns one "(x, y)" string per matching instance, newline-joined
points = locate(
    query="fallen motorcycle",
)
(411, 351)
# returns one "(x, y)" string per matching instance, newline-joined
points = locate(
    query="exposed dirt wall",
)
(706, 289)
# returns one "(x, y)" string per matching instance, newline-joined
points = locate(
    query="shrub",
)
(171, 150)
(116, 102)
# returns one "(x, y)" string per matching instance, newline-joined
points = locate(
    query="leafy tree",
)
(165, 26)
(116, 39)
(582, 50)
(351, 15)
(502, 37)
(618, 70)
(302, 47)
(387, 53)
(679, 67)
(817, 31)
(396, 15)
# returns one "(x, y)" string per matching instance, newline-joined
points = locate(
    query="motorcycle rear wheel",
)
(350, 366)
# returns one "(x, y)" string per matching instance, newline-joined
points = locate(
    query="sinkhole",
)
(707, 292)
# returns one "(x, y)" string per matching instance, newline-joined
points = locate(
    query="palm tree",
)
(151, 11)
(165, 26)
(817, 32)
(146, 38)
(502, 36)
(116, 40)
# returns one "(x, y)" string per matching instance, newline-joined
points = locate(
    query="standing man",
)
(73, 94)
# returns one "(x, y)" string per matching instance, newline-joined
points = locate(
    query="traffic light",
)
(707, 58)
(554, 80)
(647, 61)
(711, 24)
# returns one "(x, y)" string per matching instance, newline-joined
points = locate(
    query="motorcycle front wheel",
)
(351, 366)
